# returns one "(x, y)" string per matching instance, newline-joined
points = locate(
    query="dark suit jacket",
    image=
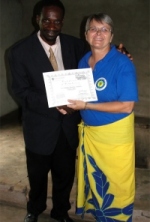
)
(41, 125)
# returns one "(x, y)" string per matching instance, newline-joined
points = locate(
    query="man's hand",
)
(122, 49)
(65, 109)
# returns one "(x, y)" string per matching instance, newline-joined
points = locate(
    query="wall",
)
(131, 18)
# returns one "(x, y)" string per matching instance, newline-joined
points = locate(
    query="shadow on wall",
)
(82, 32)
(6, 62)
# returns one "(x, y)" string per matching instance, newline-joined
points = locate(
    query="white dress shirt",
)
(56, 49)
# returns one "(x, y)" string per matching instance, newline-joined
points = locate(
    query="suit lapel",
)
(41, 60)
(66, 52)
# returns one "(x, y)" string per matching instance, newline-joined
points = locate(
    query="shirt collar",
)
(45, 45)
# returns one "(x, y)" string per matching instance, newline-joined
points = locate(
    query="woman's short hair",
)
(100, 17)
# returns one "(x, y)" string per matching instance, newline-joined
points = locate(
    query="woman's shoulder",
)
(120, 58)
(84, 60)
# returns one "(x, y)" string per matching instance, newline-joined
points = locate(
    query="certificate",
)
(75, 84)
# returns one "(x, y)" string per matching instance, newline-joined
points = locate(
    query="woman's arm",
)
(112, 107)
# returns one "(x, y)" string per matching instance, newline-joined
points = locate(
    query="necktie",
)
(52, 59)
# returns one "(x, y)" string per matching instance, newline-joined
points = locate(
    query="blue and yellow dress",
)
(106, 162)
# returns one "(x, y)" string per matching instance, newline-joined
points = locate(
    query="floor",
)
(14, 181)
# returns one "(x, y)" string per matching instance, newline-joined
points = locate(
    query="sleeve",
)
(127, 82)
(25, 91)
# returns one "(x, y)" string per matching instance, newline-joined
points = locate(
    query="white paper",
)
(75, 84)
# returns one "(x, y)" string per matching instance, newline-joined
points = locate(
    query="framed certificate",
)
(75, 84)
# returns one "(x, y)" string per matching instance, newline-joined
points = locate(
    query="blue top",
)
(115, 80)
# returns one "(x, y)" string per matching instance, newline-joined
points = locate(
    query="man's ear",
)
(37, 19)
(62, 23)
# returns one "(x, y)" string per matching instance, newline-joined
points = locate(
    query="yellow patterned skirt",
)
(106, 171)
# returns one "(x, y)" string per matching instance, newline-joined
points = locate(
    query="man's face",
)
(50, 23)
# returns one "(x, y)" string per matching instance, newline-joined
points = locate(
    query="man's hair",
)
(42, 3)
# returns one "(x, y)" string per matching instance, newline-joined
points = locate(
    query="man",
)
(51, 138)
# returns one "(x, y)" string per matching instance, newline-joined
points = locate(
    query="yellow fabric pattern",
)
(105, 171)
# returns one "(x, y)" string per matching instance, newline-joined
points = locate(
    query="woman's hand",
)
(76, 104)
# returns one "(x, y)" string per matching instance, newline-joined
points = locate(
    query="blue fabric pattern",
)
(103, 213)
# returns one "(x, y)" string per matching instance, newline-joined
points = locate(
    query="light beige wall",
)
(131, 18)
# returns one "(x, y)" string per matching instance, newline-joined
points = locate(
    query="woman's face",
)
(99, 35)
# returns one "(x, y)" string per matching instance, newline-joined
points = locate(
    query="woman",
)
(106, 180)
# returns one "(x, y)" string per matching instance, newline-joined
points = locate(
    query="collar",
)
(45, 45)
